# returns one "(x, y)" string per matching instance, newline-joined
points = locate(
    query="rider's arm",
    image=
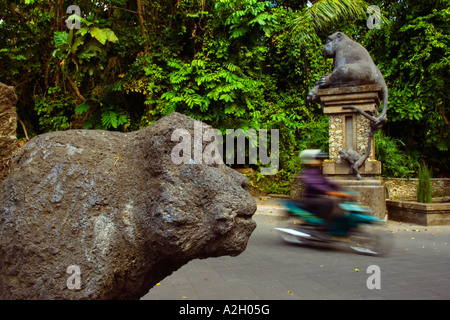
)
(339, 194)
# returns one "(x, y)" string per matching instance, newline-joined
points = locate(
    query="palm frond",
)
(324, 13)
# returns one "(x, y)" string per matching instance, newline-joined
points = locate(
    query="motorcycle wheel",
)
(292, 236)
(371, 240)
(292, 239)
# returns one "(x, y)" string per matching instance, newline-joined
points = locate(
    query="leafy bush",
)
(395, 162)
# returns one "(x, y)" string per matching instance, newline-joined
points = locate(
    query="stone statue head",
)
(115, 206)
(332, 43)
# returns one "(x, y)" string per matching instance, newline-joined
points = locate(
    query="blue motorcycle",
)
(363, 232)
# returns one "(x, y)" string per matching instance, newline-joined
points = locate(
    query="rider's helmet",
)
(313, 156)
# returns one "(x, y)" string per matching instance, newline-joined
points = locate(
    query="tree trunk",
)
(140, 16)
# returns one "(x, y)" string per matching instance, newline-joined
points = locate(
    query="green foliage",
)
(395, 162)
(53, 115)
(414, 57)
(424, 188)
(324, 14)
(231, 63)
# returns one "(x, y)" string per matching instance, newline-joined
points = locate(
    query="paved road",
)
(269, 269)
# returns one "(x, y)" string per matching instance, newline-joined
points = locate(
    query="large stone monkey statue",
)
(352, 66)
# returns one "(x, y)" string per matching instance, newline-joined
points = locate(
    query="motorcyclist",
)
(317, 187)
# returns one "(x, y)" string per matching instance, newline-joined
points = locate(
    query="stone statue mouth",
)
(246, 212)
(246, 220)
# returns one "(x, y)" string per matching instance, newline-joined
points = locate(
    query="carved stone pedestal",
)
(350, 129)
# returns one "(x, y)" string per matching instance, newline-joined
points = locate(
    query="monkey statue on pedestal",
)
(353, 66)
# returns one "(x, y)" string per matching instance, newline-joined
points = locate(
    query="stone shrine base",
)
(340, 167)
(371, 188)
(371, 191)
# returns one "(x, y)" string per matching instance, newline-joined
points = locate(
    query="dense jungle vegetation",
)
(230, 63)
